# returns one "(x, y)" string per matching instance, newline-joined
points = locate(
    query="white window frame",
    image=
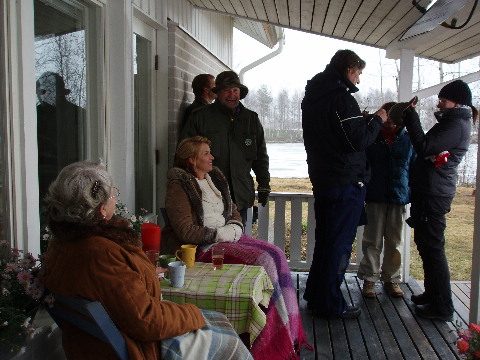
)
(20, 115)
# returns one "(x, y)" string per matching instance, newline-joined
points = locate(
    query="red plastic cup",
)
(150, 236)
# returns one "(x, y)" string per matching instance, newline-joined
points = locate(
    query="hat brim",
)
(243, 88)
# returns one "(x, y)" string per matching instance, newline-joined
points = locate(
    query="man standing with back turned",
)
(238, 141)
(336, 135)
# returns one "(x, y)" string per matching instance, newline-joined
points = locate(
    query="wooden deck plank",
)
(460, 295)
(435, 334)
(380, 344)
(338, 338)
(413, 336)
(356, 343)
(387, 328)
(306, 316)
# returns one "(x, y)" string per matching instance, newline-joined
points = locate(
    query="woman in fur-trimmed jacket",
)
(97, 256)
(201, 212)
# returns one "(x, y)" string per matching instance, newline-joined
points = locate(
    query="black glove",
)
(263, 197)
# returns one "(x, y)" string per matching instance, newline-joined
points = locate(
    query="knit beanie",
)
(458, 92)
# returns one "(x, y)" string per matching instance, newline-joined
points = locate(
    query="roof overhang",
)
(377, 23)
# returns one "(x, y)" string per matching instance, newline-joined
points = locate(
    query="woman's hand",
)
(229, 233)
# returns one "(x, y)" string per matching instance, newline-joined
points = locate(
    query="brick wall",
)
(186, 59)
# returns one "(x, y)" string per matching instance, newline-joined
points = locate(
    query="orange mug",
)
(188, 254)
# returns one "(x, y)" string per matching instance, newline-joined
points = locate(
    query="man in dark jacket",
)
(238, 141)
(433, 181)
(202, 86)
(336, 135)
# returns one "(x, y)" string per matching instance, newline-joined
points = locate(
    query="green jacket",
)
(238, 145)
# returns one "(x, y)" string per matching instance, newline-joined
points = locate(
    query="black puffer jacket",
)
(335, 133)
(452, 134)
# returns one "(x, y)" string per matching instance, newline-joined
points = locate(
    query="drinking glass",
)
(218, 253)
(153, 256)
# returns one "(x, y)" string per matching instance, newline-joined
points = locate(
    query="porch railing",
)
(273, 226)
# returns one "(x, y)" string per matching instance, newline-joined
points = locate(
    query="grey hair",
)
(78, 191)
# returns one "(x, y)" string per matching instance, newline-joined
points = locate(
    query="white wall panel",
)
(214, 31)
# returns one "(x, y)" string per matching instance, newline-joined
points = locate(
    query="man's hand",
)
(383, 114)
(263, 197)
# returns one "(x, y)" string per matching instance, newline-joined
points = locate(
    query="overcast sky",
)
(302, 57)
(306, 54)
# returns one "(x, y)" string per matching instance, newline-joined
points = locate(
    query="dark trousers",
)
(337, 213)
(428, 215)
(243, 214)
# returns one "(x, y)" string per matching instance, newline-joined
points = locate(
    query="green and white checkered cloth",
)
(236, 291)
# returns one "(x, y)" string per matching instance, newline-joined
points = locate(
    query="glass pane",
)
(60, 66)
(144, 191)
(3, 160)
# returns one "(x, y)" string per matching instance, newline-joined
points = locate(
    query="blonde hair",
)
(189, 149)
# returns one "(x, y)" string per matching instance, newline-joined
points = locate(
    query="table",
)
(237, 291)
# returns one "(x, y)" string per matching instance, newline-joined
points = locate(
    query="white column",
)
(406, 75)
(119, 102)
(404, 94)
(22, 125)
(475, 276)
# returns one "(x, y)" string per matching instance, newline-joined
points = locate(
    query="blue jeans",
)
(337, 213)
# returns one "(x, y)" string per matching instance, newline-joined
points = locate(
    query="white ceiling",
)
(378, 23)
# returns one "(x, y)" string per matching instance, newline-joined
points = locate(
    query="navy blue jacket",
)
(452, 134)
(335, 133)
(390, 165)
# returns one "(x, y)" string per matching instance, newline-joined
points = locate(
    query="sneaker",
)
(420, 299)
(369, 289)
(429, 312)
(393, 289)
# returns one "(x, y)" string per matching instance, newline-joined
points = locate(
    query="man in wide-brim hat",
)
(229, 79)
(238, 141)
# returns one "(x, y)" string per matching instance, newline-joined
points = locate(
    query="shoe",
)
(393, 289)
(369, 289)
(429, 312)
(420, 299)
(351, 312)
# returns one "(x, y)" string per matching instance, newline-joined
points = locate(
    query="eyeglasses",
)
(116, 193)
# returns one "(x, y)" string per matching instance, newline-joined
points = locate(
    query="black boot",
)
(420, 299)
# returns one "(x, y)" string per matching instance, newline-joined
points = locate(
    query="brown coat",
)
(124, 281)
(183, 203)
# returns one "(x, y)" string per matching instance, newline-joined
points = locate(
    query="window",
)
(66, 86)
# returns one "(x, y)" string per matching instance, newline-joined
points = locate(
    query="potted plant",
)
(22, 296)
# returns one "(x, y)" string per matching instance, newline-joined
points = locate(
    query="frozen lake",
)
(289, 160)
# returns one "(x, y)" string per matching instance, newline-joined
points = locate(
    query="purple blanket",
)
(283, 335)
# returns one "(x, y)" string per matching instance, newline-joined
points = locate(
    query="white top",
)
(212, 203)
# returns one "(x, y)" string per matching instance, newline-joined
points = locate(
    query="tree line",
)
(281, 114)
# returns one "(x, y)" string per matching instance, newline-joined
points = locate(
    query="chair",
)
(95, 321)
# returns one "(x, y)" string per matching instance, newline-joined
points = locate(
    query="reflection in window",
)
(60, 66)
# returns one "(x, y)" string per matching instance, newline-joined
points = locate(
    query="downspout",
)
(263, 59)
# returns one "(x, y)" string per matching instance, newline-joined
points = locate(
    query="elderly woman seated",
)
(200, 211)
(99, 257)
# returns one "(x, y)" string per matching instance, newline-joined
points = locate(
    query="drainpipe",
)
(267, 57)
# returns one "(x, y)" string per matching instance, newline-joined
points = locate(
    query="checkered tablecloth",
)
(237, 291)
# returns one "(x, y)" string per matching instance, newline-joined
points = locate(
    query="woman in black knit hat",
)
(433, 183)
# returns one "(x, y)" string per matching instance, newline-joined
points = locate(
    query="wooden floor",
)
(387, 328)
